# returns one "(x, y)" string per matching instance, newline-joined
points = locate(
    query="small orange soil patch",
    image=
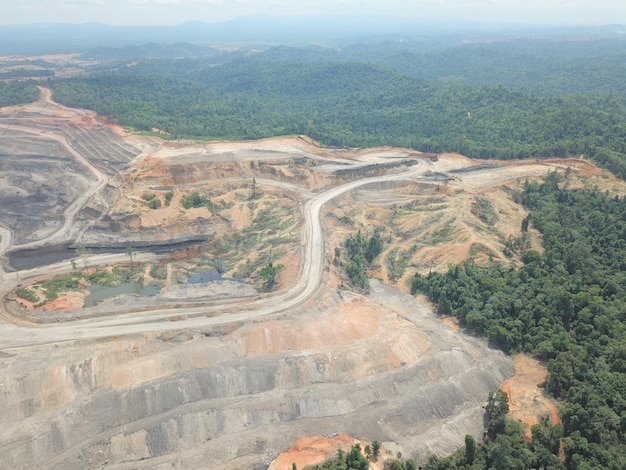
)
(311, 451)
(69, 301)
(451, 323)
(290, 270)
(347, 323)
(527, 401)
(240, 216)
(156, 130)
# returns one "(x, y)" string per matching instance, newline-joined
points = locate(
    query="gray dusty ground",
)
(36, 187)
(379, 368)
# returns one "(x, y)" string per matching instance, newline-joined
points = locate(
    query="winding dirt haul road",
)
(14, 334)
(308, 282)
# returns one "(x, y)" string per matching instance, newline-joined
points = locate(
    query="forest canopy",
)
(565, 306)
(541, 107)
(18, 92)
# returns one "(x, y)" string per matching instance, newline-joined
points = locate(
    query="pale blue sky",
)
(583, 12)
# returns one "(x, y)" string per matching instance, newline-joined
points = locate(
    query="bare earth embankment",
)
(226, 374)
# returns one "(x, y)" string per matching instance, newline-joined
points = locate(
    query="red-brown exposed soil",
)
(311, 451)
(343, 324)
(528, 401)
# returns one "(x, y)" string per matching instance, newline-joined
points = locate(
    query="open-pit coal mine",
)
(230, 374)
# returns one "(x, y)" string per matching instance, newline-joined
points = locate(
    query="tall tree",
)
(268, 274)
(130, 252)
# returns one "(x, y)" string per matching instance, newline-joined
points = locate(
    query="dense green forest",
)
(18, 92)
(356, 104)
(566, 306)
(540, 65)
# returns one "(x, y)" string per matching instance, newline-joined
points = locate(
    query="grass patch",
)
(397, 261)
(271, 228)
(27, 294)
(443, 234)
(158, 272)
(483, 209)
(345, 220)
(52, 288)
(111, 278)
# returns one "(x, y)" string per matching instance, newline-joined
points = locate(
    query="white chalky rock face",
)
(379, 368)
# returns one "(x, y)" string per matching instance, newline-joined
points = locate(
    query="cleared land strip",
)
(78, 204)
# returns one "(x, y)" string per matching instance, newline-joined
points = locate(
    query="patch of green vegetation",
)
(27, 294)
(52, 288)
(268, 274)
(483, 209)
(344, 219)
(430, 208)
(268, 227)
(271, 227)
(254, 194)
(168, 198)
(268, 219)
(517, 245)
(158, 271)
(352, 460)
(148, 197)
(154, 204)
(477, 249)
(196, 200)
(397, 261)
(361, 251)
(442, 234)
(116, 276)
(246, 269)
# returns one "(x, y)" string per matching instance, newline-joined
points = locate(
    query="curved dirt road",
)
(308, 282)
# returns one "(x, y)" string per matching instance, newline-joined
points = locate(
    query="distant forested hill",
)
(546, 65)
(353, 104)
(15, 92)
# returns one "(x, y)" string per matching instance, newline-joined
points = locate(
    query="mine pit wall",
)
(19, 260)
(209, 408)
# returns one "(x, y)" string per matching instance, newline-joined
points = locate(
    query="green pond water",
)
(100, 293)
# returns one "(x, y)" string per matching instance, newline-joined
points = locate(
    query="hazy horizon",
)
(175, 12)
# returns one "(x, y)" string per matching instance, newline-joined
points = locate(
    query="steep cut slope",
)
(375, 368)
